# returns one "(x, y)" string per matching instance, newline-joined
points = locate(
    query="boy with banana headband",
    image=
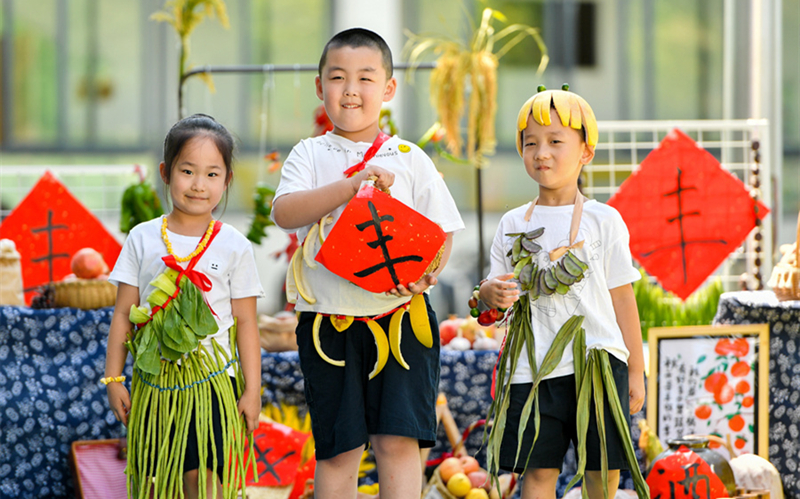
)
(563, 262)
(357, 393)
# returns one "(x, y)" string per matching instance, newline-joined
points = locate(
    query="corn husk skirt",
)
(593, 378)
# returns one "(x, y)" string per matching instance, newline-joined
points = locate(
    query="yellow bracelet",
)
(112, 379)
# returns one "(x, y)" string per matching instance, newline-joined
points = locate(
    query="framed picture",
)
(710, 380)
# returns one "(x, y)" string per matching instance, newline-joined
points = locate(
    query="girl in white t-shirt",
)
(197, 275)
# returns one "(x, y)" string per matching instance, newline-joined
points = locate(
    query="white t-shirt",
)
(607, 253)
(319, 161)
(228, 262)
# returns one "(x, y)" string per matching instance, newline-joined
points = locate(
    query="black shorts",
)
(558, 408)
(192, 459)
(347, 407)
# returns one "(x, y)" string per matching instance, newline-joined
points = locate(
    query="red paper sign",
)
(48, 227)
(379, 242)
(684, 475)
(685, 213)
(278, 451)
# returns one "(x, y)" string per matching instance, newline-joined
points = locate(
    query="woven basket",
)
(85, 294)
(785, 279)
(436, 489)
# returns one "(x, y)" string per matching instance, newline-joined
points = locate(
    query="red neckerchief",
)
(198, 278)
(371, 152)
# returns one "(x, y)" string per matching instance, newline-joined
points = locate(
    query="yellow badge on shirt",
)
(404, 148)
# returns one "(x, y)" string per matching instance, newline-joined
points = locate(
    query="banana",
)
(341, 322)
(383, 347)
(522, 117)
(590, 122)
(575, 114)
(297, 269)
(327, 221)
(308, 246)
(317, 323)
(396, 335)
(561, 102)
(418, 313)
(291, 284)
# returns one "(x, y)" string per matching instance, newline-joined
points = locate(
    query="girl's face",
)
(197, 180)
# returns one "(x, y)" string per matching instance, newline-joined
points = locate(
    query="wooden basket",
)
(85, 294)
(785, 279)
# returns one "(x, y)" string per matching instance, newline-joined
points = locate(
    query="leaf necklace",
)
(200, 246)
(556, 278)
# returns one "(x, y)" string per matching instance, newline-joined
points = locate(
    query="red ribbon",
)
(371, 152)
(198, 278)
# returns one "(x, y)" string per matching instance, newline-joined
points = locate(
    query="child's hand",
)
(636, 391)
(384, 179)
(414, 288)
(498, 292)
(250, 406)
(120, 401)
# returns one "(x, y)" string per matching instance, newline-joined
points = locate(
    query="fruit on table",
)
(477, 493)
(450, 467)
(459, 485)
(88, 263)
(479, 479)
(448, 329)
(469, 464)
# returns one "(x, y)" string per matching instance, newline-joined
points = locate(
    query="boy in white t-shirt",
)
(557, 133)
(394, 410)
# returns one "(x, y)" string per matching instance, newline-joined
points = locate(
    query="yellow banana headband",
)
(573, 110)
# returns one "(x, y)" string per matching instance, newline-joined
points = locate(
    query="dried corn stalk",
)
(185, 16)
(470, 68)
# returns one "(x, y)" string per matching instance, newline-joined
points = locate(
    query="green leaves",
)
(139, 204)
(174, 330)
(262, 201)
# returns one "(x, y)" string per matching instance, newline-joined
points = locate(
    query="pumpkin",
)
(88, 263)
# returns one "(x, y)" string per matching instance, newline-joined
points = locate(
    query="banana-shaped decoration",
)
(308, 246)
(322, 223)
(291, 284)
(418, 313)
(383, 347)
(318, 346)
(396, 336)
(299, 281)
(341, 322)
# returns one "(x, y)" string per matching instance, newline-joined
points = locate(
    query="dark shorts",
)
(558, 408)
(192, 459)
(347, 407)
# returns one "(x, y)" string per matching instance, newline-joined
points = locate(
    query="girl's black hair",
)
(193, 126)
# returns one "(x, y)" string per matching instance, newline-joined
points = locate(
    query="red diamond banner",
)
(48, 226)
(379, 242)
(685, 213)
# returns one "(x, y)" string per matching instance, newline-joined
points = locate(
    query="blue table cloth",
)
(762, 307)
(50, 396)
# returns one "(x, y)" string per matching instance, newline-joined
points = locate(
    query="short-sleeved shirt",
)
(228, 262)
(320, 161)
(605, 250)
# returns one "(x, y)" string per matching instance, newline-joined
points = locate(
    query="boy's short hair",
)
(573, 110)
(355, 38)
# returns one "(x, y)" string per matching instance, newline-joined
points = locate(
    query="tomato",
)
(736, 423)
(724, 394)
(703, 411)
(740, 442)
(738, 347)
(715, 381)
(748, 401)
(740, 369)
(742, 387)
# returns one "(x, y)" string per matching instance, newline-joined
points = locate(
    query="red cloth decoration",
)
(379, 242)
(684, 475)
(48, 226)
(304, 474)
(278, 451)
(685, 213)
